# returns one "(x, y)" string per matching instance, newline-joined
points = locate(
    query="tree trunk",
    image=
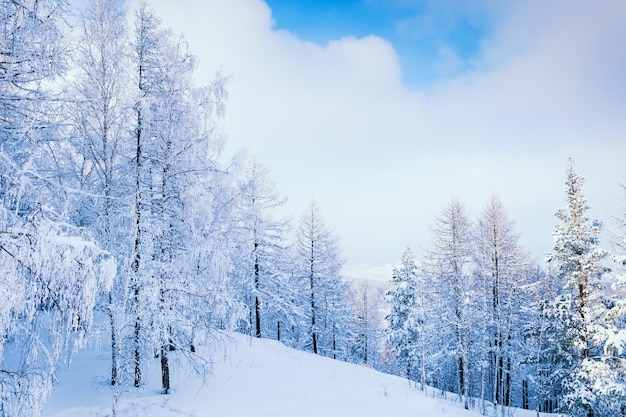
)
(257, 308)
(313, 332)
(507, 382)
(137, 343)
(137, 247)
(461, 377)
(114, 359)
(115, 390)
(165, 370)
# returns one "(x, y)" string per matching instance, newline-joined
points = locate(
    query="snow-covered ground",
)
(250, 377)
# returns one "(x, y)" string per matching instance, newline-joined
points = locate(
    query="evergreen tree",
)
(403, 300)
(581, 309)
(535, 344)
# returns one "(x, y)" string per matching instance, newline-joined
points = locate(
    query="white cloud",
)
(335, 120)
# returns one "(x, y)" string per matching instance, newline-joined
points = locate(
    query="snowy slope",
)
(255, 378)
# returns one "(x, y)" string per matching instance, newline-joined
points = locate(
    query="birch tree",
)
(100, 150)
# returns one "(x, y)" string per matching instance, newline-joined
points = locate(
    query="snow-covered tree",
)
(616, 343)
(213, 301)
(403, 300)
(261, 259)
(533, 341)
(33, 56)
(367, 324)
(50, 279)
(449, 262)
(501, 279)
(318, 266)
(50, 271)
(144, 56)
(580, 311)
(175, 146)
(100, 150)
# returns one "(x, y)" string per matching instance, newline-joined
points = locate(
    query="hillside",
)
(250, 378)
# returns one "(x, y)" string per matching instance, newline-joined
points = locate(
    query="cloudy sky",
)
(385, 109)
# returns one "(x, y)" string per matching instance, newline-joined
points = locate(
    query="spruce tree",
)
(580, 310)
(402, 300)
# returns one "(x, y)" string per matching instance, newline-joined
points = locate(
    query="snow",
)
(250, 378)
(73, 241)
(108, 269)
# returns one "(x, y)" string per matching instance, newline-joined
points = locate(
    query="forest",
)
(120, 219)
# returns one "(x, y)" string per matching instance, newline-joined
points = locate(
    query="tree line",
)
(479, 319)
(118, 215)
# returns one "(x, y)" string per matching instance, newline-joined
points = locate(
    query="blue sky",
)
(424, 33)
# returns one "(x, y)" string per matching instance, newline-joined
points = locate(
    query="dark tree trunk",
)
(525, 394)
(257, 308)
(137, 246)
(114, 359)
(311, 277)
(165, 370)
(461, 377)
(507, 378)
(137, 353)
(313, 326)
